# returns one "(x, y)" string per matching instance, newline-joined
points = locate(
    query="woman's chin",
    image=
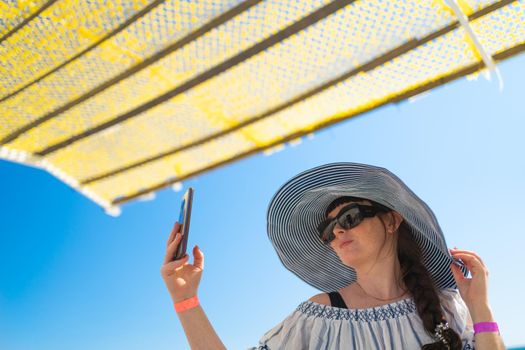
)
(350, 261)
(351, 257)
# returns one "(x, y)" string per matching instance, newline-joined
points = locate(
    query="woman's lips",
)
(345, 243)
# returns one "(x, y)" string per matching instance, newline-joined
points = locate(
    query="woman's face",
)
(363, 243)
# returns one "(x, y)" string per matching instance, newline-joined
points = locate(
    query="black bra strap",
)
(336, 300)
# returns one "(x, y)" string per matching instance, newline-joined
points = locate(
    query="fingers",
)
(473, 263)
(172, 244)
(172, 247)
(174, 231)
(454, 251)
(198, 258)
(170, 267)
(467, 256)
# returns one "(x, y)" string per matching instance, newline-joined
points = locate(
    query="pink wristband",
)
(483, 327)
(187, 304)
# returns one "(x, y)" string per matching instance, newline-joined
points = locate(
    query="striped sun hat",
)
(300, 204)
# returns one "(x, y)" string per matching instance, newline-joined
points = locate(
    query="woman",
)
(360, 235)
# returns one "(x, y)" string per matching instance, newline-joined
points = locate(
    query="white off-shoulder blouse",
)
(391, 326)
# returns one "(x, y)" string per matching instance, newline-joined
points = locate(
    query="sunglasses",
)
(347, 218)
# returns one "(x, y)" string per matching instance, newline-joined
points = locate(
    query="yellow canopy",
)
(120, 98)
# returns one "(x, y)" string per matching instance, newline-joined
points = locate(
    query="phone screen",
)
(184, 220)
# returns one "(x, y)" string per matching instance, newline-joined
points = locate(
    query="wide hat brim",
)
(300, 204)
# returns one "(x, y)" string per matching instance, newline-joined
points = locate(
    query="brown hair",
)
(418, 281)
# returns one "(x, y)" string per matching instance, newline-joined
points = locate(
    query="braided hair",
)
(418, 281)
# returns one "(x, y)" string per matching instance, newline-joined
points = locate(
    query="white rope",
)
(487, 59)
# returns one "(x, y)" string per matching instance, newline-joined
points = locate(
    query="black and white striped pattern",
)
(299, 206)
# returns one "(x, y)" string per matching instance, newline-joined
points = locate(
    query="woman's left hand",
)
(473, 290)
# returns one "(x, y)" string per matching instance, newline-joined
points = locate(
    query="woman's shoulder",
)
(321, 298)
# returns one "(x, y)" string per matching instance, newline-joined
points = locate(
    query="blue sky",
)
(73, 277)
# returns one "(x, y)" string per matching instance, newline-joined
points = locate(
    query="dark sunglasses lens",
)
(350, 218)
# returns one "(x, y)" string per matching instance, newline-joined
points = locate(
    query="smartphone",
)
(184, 221)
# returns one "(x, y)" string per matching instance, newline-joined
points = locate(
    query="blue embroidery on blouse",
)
(379, 313)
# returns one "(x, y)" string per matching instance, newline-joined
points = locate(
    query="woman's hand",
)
(181, 278)
(472, 290)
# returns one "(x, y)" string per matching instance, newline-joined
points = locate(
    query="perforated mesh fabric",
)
(14, 13)
(121, 98)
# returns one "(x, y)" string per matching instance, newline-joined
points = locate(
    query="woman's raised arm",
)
(182, 280)
(474, 292)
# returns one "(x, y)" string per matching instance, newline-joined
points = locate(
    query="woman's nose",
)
(338, 230)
